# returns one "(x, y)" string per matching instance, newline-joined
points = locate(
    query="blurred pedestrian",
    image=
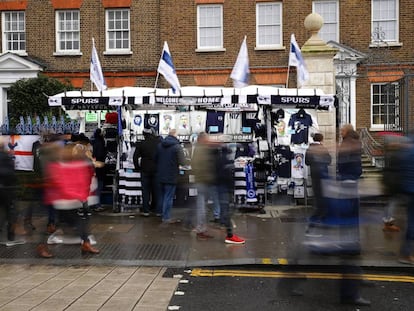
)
(407, 185)
(349, 154)
(392, 178)
(8, 183)
(169, 157)
(224, 180)
(318, 158)
(144, 161)
(70, 179)
(203, 169)
(99, 154)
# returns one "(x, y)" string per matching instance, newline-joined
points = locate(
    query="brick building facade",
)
(374, 43)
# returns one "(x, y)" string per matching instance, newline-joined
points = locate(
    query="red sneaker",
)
(234, 240)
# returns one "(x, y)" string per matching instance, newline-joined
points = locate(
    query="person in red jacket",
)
(69, 181)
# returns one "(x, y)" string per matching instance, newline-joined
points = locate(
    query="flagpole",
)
(93, 44)
(287, 77)
(158, 73)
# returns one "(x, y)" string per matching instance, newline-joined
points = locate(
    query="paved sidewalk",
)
(44, 287)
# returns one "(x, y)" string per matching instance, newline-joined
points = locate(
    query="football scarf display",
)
(250, 186)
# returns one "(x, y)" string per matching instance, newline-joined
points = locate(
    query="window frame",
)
(59, 31)
(396, 21)
(6, 41)
(117, 51)
(274, 46)
(337, 21)
(386, 114)
(206, 48)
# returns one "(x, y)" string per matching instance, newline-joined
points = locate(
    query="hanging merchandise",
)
(167, 122)
(215, 122)
(249, 121)
(250, 183)
(151, 120)
(182, 123)
(198, 121)
(232, 123)
(299, 124)
(282, 160)
(137, 124)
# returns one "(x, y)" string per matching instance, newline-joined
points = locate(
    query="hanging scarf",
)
(250, 187)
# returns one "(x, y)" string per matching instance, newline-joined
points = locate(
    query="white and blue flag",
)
(96, 74)
(296, 60)
(240, 72)
(167, 69)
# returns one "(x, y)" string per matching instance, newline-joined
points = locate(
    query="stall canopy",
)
(218, 98)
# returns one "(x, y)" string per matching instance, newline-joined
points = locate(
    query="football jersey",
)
(232, 123)
(249, 121)
(198, 121)
(280, 129)
(282, 161)
(215, 122)
(299, 124)
(182, 123)
(167, 122)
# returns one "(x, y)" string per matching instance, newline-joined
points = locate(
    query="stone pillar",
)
(318, 57)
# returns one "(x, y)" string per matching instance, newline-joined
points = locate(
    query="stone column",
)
(318, 57)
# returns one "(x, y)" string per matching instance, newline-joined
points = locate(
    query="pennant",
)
(96, 74)
(240, 73)
(296, 60)
(167, 69)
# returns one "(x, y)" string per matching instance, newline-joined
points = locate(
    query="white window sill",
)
(206, 50)
(385, 44)
(117, 52)
(20, 53)
(270, 48)
(67, 53)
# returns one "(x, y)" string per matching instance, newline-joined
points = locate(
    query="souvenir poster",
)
(167, 122)
(182, 122)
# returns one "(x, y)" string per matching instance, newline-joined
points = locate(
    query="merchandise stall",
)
(267, 128)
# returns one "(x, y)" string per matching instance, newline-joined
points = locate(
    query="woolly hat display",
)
(111, 117)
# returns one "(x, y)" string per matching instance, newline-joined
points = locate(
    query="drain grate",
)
(293, 219)
(110, 251)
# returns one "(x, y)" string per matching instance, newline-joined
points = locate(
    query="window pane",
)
(269, 26)
(329, 12)
(68, 30)
(118, 29)
(210, 26)
(384, 20)
(14, 31)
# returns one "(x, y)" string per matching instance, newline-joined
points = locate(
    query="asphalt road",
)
(255, 288)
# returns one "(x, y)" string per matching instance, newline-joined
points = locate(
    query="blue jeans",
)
(167, 194)
(202, 193)
(215, 198)
(225, 208)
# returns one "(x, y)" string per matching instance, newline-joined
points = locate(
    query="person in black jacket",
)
(144, 160)
(318, 158)
(99, 154)
(169, 157)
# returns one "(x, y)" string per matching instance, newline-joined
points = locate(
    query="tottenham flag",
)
(96, 74)
(166, 68)
(240, 73)
(296, 60)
